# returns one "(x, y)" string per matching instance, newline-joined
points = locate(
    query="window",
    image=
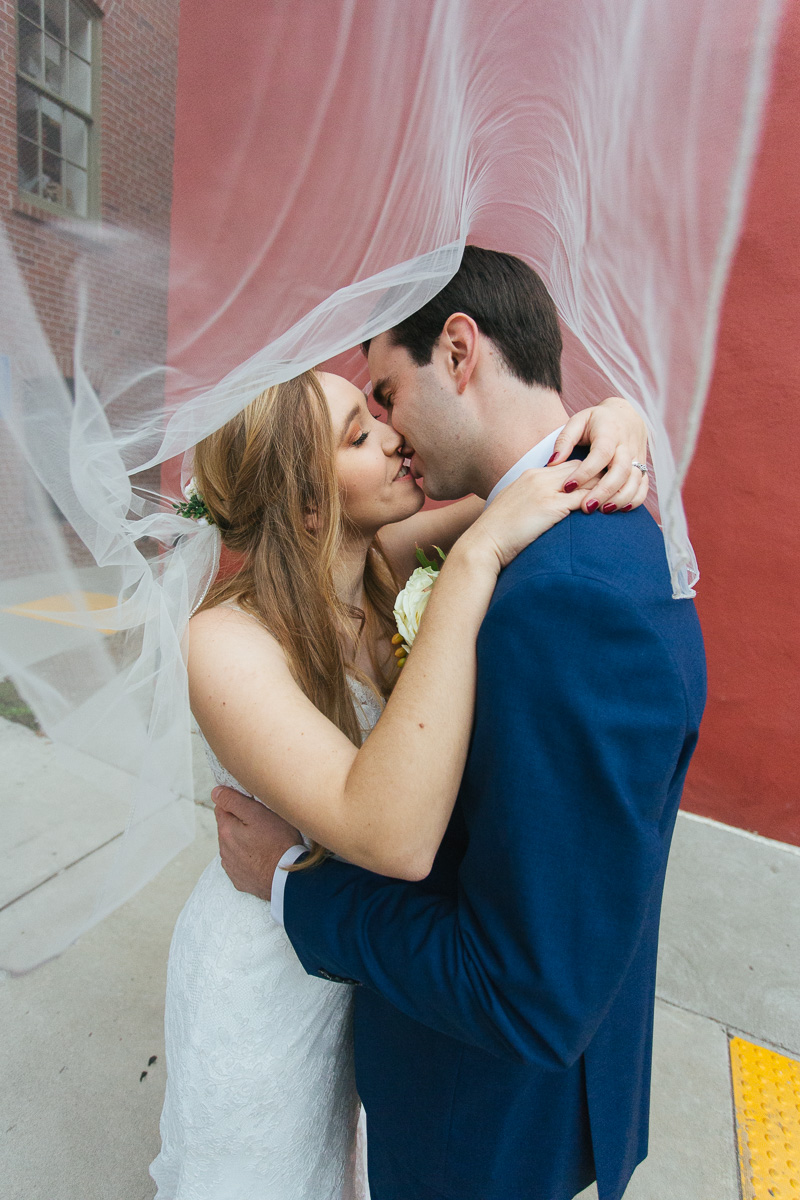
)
(57, 51)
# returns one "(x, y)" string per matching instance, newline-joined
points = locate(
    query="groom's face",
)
(425, 409)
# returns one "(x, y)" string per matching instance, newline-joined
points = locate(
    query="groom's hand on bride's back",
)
(252, 840)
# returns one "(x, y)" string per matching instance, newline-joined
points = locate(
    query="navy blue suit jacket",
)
(504, 1018)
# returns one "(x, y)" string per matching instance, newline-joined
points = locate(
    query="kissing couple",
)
(463, 938)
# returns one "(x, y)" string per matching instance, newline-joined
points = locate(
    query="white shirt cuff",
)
(279, 880)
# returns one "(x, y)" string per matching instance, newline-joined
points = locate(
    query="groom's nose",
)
(406, 449)
(394, 443)
(391, 421)
(401, 445)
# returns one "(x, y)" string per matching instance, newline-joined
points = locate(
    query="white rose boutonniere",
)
(412, 601)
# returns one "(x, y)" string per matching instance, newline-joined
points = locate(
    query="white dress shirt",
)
(279, 880)
(539, 456)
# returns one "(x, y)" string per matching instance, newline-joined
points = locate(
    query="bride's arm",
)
(434, 527)
(386, 805)
(617, 436)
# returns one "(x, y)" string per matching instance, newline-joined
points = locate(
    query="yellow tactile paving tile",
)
(57, 608)
(766, 1095)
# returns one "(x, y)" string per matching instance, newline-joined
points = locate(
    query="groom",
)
(504, 1005)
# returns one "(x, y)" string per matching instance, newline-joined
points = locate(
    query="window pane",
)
(55, 19)
(80, 32)
(30, 50)
(28, 166)
(77, 189)
(31, 9)
(27, 111)
(52, 118)
(54, 63)
(80, 84)
(51, 178)
(76, 139)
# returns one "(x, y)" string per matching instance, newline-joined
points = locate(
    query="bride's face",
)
(376, 488)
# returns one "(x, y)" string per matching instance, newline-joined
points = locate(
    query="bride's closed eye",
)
(360, 440)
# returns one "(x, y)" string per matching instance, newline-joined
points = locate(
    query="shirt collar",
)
(539, 456)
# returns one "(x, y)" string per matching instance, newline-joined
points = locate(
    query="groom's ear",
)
(460, 341)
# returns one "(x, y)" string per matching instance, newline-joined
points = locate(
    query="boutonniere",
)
(412, 601)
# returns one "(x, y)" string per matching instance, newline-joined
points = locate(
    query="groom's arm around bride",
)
(533, 942)
(503, 1026)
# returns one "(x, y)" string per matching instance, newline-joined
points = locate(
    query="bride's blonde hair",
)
(268, 478)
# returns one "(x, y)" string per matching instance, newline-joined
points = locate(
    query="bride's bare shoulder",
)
(226, 633)
(234, 664)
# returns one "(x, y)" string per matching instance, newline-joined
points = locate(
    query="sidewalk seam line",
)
(734, 1030)
(60, 871)
(734, 1118)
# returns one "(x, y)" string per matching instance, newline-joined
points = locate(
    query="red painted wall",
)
(741, 490)
(743, 499)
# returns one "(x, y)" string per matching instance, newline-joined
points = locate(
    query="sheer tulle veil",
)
(357, 146)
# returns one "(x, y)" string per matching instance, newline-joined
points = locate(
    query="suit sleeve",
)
(580, 723)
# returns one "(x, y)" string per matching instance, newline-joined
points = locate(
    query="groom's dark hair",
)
(509, 304)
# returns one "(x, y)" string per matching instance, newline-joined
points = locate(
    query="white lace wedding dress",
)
(261, 1101)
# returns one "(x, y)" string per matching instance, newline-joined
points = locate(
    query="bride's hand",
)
(618, 438)
(523, 511)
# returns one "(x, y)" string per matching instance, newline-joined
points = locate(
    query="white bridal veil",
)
(330, 161)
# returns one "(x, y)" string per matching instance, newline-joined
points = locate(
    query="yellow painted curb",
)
(56, 609)
(766, 1096)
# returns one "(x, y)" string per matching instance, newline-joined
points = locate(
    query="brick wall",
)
(136, 121)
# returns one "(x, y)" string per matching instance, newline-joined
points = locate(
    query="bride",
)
(291, 665)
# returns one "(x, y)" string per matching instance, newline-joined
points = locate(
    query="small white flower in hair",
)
(194, 506)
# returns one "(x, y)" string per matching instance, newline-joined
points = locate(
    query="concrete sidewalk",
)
(83, 1060)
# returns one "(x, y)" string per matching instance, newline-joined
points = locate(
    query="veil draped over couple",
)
(439, 884)
(485, 918)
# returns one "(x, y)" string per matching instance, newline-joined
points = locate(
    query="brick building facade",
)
(87, 104)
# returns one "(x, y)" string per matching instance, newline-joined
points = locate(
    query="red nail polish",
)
(552, 458)
(609, 508)
(591, 506)
(570, 487)
(627, 508)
